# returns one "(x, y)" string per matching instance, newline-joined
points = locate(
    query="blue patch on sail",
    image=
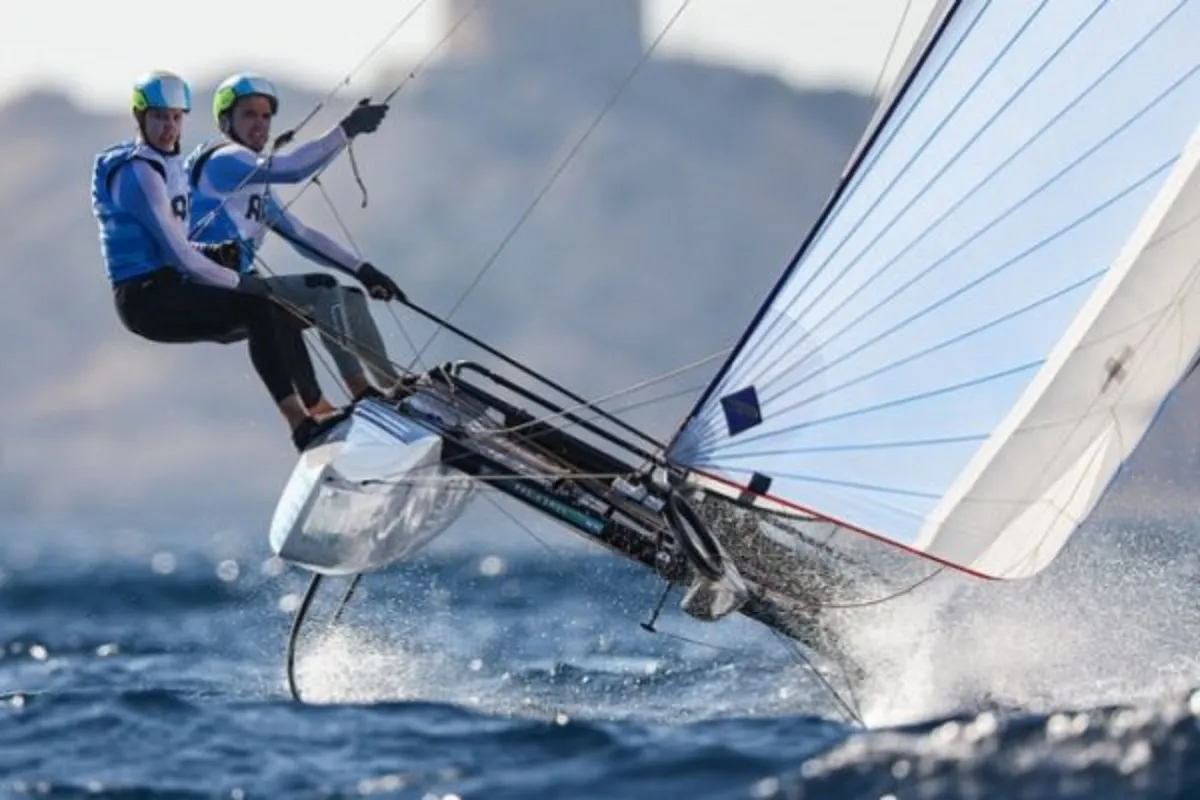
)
(742, 411)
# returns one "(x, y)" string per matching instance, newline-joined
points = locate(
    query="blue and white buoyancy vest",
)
(129, 249)
(240, 215)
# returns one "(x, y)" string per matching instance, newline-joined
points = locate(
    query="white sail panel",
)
(1011, 174)
(1055, 454)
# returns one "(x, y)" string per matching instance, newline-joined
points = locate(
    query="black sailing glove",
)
(379, 286)
(365, 118)
(227, 253)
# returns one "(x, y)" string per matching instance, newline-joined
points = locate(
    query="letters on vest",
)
(179, 206)
(254, 207)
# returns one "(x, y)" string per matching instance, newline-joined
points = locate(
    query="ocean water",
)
(150, 663)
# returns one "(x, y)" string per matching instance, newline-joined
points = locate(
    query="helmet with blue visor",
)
(161, 89)
(236, 87)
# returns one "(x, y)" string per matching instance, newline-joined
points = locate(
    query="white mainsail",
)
(985, 320)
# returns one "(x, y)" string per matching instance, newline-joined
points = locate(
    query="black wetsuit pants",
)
(163, 307)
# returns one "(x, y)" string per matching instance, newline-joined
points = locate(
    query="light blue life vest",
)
(130, 250)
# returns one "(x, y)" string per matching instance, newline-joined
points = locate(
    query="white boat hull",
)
(372, 493)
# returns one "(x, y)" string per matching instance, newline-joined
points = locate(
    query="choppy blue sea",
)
(149, 663)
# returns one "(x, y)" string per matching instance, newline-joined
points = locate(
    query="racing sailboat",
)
(974, 337)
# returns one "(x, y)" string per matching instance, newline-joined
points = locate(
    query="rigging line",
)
(346, 340)
(207, 220)
(345, 81)
(491, 477)
(656, 631)
(445, 38)
(412, 74)
(312, 323)
(359, 255)
(542, 459)
(378, 356)
(569, 424)
(891, 49)
(396, 90)
(342, 339)
(659, 398)
(886, 598)
(491, 259)
(650, 625)
(535, 463)
(338, 219)
(593, 404)
(513, 519)
(412, 345)
(530, 371)
(284, 138)
(314, 179)
(797, 653)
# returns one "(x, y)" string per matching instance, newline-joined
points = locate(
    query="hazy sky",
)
(105, 45)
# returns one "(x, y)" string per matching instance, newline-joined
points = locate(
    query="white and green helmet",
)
(161, 89)
(244, 84)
